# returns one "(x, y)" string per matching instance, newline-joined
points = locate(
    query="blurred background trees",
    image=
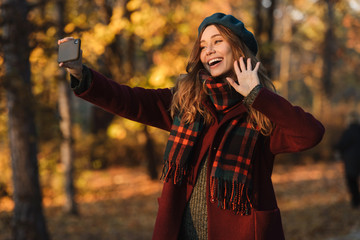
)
(310, 48)
(28, 220)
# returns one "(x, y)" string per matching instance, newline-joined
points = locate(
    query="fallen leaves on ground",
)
(121, 203)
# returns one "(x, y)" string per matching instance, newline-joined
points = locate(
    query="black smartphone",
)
(69, 50)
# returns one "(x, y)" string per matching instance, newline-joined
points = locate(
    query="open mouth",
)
(214, 61)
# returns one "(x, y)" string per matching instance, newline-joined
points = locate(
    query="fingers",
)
(249, 64)
(257, 66)
(242, 64)
(237, 68)
(60, 41)
(241, 67)
(231, 81)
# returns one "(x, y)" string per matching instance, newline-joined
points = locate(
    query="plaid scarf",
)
(231, 178)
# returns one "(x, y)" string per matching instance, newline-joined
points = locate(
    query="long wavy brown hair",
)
(189, 91)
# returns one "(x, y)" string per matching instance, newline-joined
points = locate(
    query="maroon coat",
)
(295, 131)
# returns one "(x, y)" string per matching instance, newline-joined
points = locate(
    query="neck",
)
(222, 77)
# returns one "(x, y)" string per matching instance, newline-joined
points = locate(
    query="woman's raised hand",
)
(247, 78)
(73, 67)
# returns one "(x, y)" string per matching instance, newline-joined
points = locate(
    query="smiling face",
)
(215, 52)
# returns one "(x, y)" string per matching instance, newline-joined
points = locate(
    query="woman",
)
(226, 125)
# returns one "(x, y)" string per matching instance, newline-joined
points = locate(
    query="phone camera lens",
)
(76, 41)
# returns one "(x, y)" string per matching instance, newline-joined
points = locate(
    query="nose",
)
(210, 50)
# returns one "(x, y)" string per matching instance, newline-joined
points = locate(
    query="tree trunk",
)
(271, 21)
(66, 148)
(268, 56)
(258, 19)
(285, 54)
(129, 64)
(151, 155)
(111, 67)
(329, 48)
(264, 33)
(28, 219)
(100, 121)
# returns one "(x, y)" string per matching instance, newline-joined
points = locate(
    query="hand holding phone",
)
(69, 50)
(70, 56)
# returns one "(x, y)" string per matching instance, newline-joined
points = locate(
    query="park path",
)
(351, 236)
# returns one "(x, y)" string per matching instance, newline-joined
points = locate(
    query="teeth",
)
(214, 60)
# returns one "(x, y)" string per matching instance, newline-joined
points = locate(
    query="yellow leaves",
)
(3, 130)
(2, 68)
(148, 24)
(159, 2)
(51, 31)
(117, 23)
(134, 5)
(78, 21)
(178, 15)
(101, 35)
(116, 131)
(353, 28)
(43, 70)
(149, 20)
(184, 39)
(184, 29)
(166, 65)
(313, 29)
(157, 77)
(69, 28)
(121, 129)
(37, 56)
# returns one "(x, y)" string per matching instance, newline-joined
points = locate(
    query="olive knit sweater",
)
(194, 222)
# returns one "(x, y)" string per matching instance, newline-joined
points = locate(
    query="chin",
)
(216, 73)
(222, 74)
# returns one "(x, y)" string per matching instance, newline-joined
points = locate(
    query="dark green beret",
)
(234, 25)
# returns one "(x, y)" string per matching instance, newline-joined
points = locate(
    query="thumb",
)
(232, 82)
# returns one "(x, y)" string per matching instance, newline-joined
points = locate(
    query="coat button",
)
(212, 200)
(214, 148)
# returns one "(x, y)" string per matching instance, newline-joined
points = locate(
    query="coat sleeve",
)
(295, 130)
(147, 106)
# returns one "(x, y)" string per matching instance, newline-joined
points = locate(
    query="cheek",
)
(229, 63)
(202, 58)
(230, 60)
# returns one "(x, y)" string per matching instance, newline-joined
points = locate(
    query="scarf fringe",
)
(179, 174)
(231, 196)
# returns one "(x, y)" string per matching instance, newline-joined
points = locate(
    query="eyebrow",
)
(216, 35)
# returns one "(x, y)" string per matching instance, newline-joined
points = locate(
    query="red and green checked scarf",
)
(231, 178)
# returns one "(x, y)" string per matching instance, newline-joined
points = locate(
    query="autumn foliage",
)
(146, 43)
